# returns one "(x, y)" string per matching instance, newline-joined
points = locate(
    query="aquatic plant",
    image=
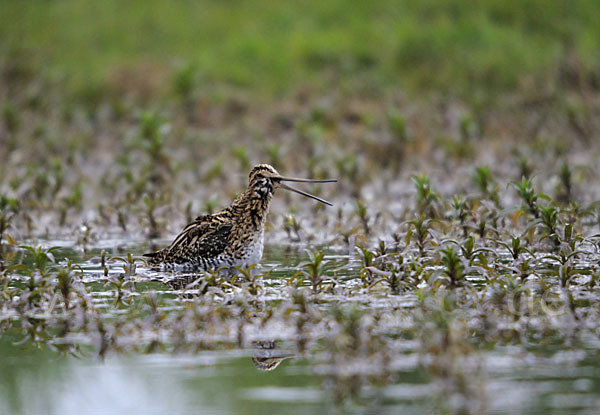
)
(528, 195)
(461, 209)
(487, 185)
(129, 264)
(367, 258)
(393, 276)
(292, 228)
(454, 268)
(8, 208)
(66, 277)
(525, 168)
(549, 221)
(251, 279)
(152, 128)
(362, 213)
(315, 268)
(515, 248)
(565, 175)
(426, 197)
(183, 82)
(39, 260)
(421, 230)
(154, 226)
(397, 125)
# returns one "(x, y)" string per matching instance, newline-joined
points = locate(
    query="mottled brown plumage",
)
(233, 236)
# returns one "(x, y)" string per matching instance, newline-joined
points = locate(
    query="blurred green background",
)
(274, 47)
(122, 99)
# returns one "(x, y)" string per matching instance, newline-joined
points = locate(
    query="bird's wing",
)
(205, 237)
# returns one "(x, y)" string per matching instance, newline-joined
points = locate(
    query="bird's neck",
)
(253, 207)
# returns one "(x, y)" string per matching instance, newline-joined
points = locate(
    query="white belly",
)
(255, 251)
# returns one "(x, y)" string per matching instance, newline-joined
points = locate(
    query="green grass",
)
(273, 46)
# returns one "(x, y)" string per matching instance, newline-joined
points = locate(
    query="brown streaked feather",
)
(207, 237)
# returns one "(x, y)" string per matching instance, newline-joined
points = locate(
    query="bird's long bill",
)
(285, 186)
(294, 179)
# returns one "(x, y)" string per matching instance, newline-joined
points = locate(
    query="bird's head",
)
(264, 180)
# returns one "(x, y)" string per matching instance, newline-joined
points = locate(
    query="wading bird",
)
(234, 236)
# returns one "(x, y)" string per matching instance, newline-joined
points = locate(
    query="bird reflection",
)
(266, 357)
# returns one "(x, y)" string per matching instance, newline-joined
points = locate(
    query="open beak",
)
(292, 179)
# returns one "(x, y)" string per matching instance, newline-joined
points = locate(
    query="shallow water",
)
(39, 381)
(541, 379)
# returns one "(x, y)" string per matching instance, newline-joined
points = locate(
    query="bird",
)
(232, 237)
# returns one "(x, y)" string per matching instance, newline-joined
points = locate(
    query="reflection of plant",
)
(66, 277)
(122, 287)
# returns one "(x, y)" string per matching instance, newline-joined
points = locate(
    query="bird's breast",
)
(253, 250)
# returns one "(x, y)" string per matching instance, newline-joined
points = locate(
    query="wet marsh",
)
(458, 271)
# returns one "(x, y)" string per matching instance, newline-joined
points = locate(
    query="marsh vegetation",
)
(458, 272)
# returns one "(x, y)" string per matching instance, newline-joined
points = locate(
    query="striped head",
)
(264, 180)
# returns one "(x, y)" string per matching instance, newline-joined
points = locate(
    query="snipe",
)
(233, 236)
